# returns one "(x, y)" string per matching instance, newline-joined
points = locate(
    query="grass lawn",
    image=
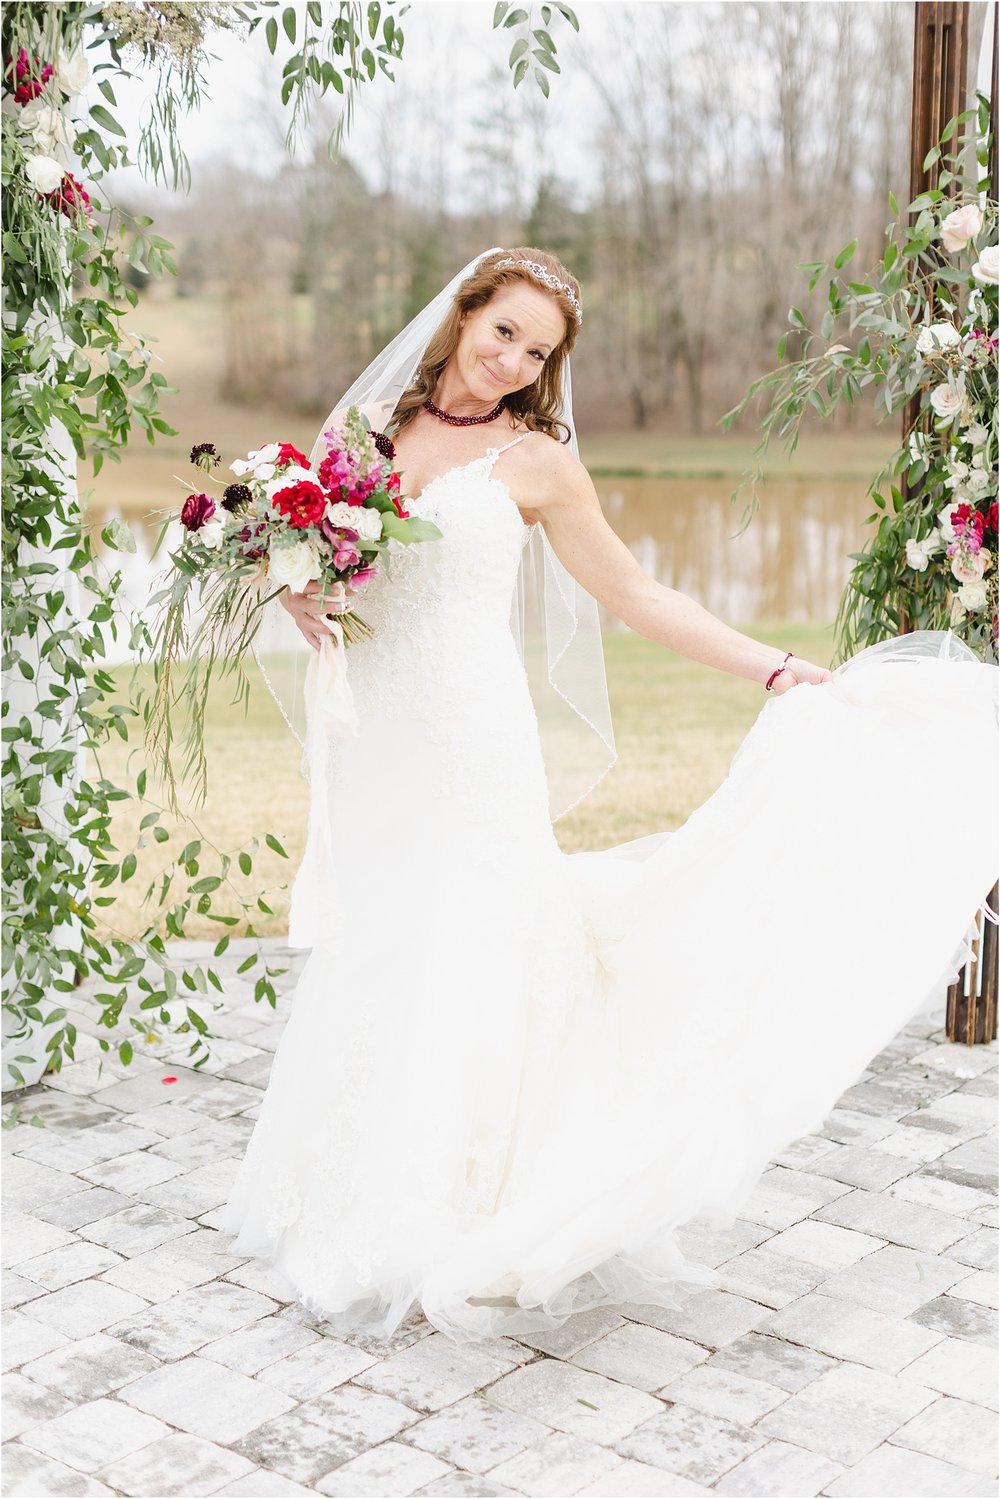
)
(678, 726)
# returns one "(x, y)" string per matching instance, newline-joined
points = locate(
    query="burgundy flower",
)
(235, 497)
(196, 510)
(248, 536)
(205, 455)
(384, 445)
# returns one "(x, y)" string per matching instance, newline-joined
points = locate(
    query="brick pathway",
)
(850, 1350)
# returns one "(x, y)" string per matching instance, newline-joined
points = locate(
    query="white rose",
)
(45, 124)
(977, 436)
(43, 173)
(973, 595)
(917, 555)
(948, 400)
(361, 518)
(938, 337)
(978, 481)
(294, 566)
(210, 534)
(987, 267)
(72, 72)
(961, 225)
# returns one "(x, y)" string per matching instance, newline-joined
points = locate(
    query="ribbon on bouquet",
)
(330, 714)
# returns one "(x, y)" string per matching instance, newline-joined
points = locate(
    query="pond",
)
(789, 564)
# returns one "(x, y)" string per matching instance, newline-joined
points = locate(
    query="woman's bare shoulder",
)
(544, 471)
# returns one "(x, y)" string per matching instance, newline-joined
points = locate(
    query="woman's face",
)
(504, 344)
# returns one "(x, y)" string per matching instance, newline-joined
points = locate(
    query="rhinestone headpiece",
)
(541, 274)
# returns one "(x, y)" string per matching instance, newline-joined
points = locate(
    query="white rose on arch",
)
(45, 125)
(961, 225)
(944, 523)
(978, 481)
(294, 566)
(919, 553)
(948, 399)
(987, 267)
(43, 173)
(72, 72)
(973, 596)
(936, 338)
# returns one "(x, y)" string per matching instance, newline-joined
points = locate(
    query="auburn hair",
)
(537, 405)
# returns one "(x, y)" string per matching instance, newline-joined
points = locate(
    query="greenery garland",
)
(77, 382)
(919, 333)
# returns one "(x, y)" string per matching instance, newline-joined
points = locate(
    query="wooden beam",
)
(940, 62)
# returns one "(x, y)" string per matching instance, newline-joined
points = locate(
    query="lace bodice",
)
(464, 580)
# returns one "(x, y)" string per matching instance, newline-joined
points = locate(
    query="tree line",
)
(724, 145)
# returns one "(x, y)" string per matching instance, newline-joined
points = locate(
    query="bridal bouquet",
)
(281, 523)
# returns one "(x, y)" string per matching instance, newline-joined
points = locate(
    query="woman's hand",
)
(798, 671)
(309, 610)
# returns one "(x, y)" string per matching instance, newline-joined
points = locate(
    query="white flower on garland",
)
(977, 436)
(45, 125)
(978, 481)
(72, 72)
(944, 523)
(987, 267)
(937, 338)
(919, 553)
(43, 173)
(972, 596)
(961, 225)
(948, 399)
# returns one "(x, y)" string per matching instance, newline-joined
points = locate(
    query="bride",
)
(510, 1074)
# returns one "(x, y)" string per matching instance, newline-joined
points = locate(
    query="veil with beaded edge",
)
(554, 621)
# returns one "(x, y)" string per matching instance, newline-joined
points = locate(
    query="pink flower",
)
(346, 556)
(19, 71)
(362, 578)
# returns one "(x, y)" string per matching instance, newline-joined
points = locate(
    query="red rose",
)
(289, 454)
(196, 510)
(302, 504)
(961, 515)
(991, 517)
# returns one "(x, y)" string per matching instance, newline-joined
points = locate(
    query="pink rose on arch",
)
(196, 510)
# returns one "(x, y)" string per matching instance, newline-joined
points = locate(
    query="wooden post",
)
(940, 64)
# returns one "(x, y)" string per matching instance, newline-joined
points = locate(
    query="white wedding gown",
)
(510, 1073)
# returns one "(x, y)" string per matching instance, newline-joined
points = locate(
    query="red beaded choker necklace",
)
(463, 421)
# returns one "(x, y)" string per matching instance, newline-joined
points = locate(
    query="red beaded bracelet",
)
(769, 684)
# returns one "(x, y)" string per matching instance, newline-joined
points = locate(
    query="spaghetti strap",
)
(513, 444)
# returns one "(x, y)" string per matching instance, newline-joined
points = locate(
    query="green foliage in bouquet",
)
(919, 333)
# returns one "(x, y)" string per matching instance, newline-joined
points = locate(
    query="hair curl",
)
(536, 405)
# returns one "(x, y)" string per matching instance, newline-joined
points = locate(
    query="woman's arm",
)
(562, 498)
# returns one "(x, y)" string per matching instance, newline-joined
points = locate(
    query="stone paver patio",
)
(849, 1352)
